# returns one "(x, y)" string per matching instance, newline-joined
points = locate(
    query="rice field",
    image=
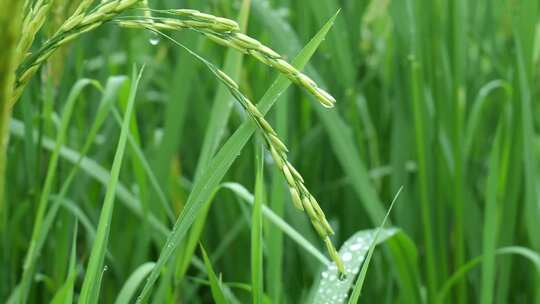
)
(269, 151)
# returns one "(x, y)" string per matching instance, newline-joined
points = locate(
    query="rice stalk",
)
(301, 197)
(226, 32)
(32, 23)
(9, 31)
(78, 24)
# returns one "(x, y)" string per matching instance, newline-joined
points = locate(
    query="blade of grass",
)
(215, 283)
(527, 126)
(491, 216)
(479, 106)
(458, 49)
(355, 296)
(524, 21)
(420, 137)
(274, 235)
(256, 229)
(65, 293)
(92, 280)
(130, 287)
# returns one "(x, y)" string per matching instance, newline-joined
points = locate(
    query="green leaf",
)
(361, 277)
(65, 294)
(92, 280)
(256, 230)
(491, 215)
(215, 283)
(129, 289)
(353, 252)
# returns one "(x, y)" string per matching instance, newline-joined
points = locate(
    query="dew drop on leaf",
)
(154, 39)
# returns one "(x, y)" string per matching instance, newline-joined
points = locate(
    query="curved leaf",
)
(331, 288)
(129, 289)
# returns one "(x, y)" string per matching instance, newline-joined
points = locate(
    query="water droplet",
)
(105, 268)
(332, 278)
(356, 247)
(347, 256)
(154, 39)
(325, 274)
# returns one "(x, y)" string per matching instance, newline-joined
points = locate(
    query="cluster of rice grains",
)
(227, 32)
(301, 197)
(80, 22)
(221, 30)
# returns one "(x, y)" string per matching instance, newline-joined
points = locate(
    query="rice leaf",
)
(129, 290)
(65, 294)
(215, 283)
(331, 288)
(490, 221)
(92, 280)
(361, 277)
(256, 230)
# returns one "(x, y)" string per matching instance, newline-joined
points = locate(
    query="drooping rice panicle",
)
(225, 32)
(300, 195)
(32, 23)
(78, 24)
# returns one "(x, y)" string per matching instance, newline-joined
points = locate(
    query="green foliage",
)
(439, 97)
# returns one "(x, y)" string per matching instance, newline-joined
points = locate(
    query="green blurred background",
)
(437, 96)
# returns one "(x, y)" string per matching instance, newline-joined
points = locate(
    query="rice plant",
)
(223, 151)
